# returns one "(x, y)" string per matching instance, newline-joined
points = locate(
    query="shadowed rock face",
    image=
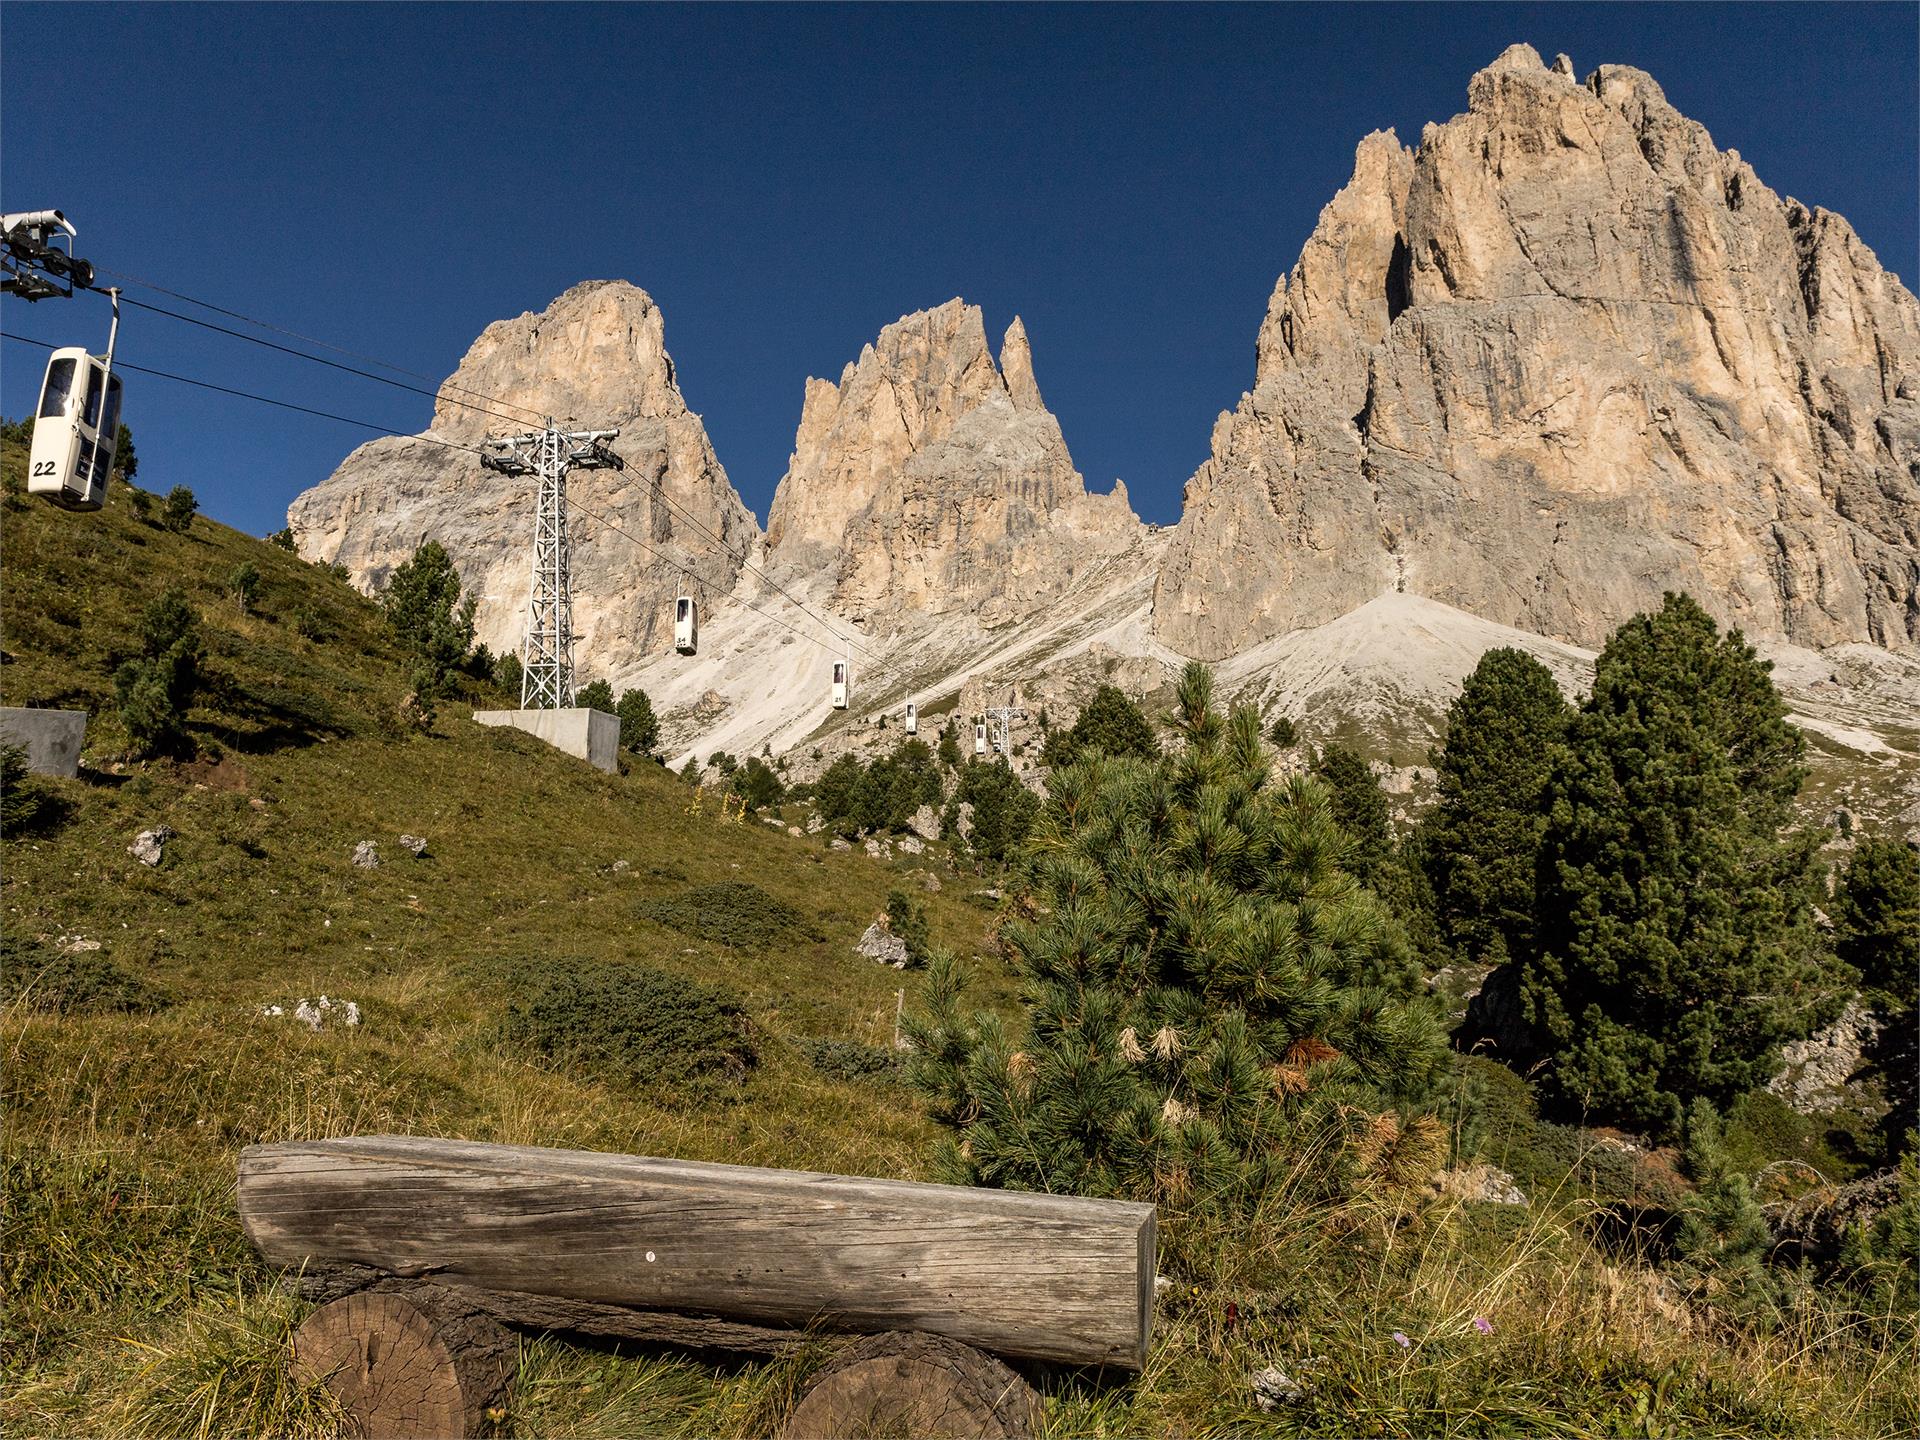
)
(1563, 357)
(933, 479)
(595, 358)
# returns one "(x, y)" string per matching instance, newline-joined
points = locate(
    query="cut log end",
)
(408, 1365)
(904, 1383)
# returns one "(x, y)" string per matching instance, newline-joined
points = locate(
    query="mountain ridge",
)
(1557, 358)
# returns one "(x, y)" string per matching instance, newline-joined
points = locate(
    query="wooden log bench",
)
(421, 1250)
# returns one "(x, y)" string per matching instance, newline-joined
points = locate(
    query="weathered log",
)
(554, 1314)
(921, 1385)
(409, 1365)
(1045, 1276)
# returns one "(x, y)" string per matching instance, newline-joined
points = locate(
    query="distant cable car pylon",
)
(546, 674)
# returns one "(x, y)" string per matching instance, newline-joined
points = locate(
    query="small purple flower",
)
(1483, 1325)
(1401, 1340)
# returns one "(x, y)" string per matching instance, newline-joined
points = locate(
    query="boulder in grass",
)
(149, 845)
(367, 855)
(415, 845)
(881, 944)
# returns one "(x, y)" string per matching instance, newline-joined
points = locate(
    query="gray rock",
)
(925, 823)
(879, 943)
(1274, 1388)
(366, 855)
(1481, 1184)
(149, 845)
(1815, 1072)
(1814, 1225)
(838, 843)
(815, 824)
(910, 844)
(416, 845)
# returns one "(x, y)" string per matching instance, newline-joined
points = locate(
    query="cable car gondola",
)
(980, 737)
(913, 719)
(686, 625)
(76, 427)
(842, 681)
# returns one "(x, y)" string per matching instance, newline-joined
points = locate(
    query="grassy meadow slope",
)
(134, 1306)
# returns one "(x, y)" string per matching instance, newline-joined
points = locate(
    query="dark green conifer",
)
(1359, 807)
(1876, 931)
(1202, 980)
(1478, 844)
(1111, 724)
(1675, 947)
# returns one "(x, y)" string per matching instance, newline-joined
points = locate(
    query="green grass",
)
(134, 1305)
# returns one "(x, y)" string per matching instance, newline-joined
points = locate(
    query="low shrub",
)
(852, 1060)
(71, 982)
(733, 913)
(631, 1023)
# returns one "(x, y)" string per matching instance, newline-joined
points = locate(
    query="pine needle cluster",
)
(1206, 986)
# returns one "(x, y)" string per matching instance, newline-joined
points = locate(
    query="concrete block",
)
(53, 738)
(589, 735)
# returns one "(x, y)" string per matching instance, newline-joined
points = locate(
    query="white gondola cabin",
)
(75, 431)
(842, 678)
(980, 737)
(686, 625)
(913, 719)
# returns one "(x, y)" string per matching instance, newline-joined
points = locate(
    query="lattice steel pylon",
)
(546, 669)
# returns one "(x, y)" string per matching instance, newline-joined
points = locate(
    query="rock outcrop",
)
(596, 358)
(932, 479)
(1564, 356)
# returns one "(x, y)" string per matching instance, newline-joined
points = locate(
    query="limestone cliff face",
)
(933, 479)
(596, 357)
(1562, 357)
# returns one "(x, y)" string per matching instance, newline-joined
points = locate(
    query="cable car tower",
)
(546, 676)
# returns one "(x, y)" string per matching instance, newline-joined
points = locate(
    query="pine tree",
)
(1479, 843)
(1675, 947)
(177, 511)
(507, 674)
(1359, 807)
(949, 747)
(425, 611)
(1876, 931)
(639, 728)
(1203, 982)
(1003, 809)
(154, 691)
(1111, 724)
(596, 696)
(1722, 1233)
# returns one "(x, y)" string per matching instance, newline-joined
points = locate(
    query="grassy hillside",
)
(134, 1305)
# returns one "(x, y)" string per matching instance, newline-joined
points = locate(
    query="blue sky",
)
(785, 181)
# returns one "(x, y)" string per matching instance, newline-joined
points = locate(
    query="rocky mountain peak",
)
(1564, 356)
(934, 478)
(1016, 369)
(596, 358)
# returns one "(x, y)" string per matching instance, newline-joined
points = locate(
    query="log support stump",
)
(908, 1383)
(408, 1364)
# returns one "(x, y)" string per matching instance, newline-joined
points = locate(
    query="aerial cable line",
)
(249, 395)
(591, 514)
(845, 642)
(310, 340)
(330, 364)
